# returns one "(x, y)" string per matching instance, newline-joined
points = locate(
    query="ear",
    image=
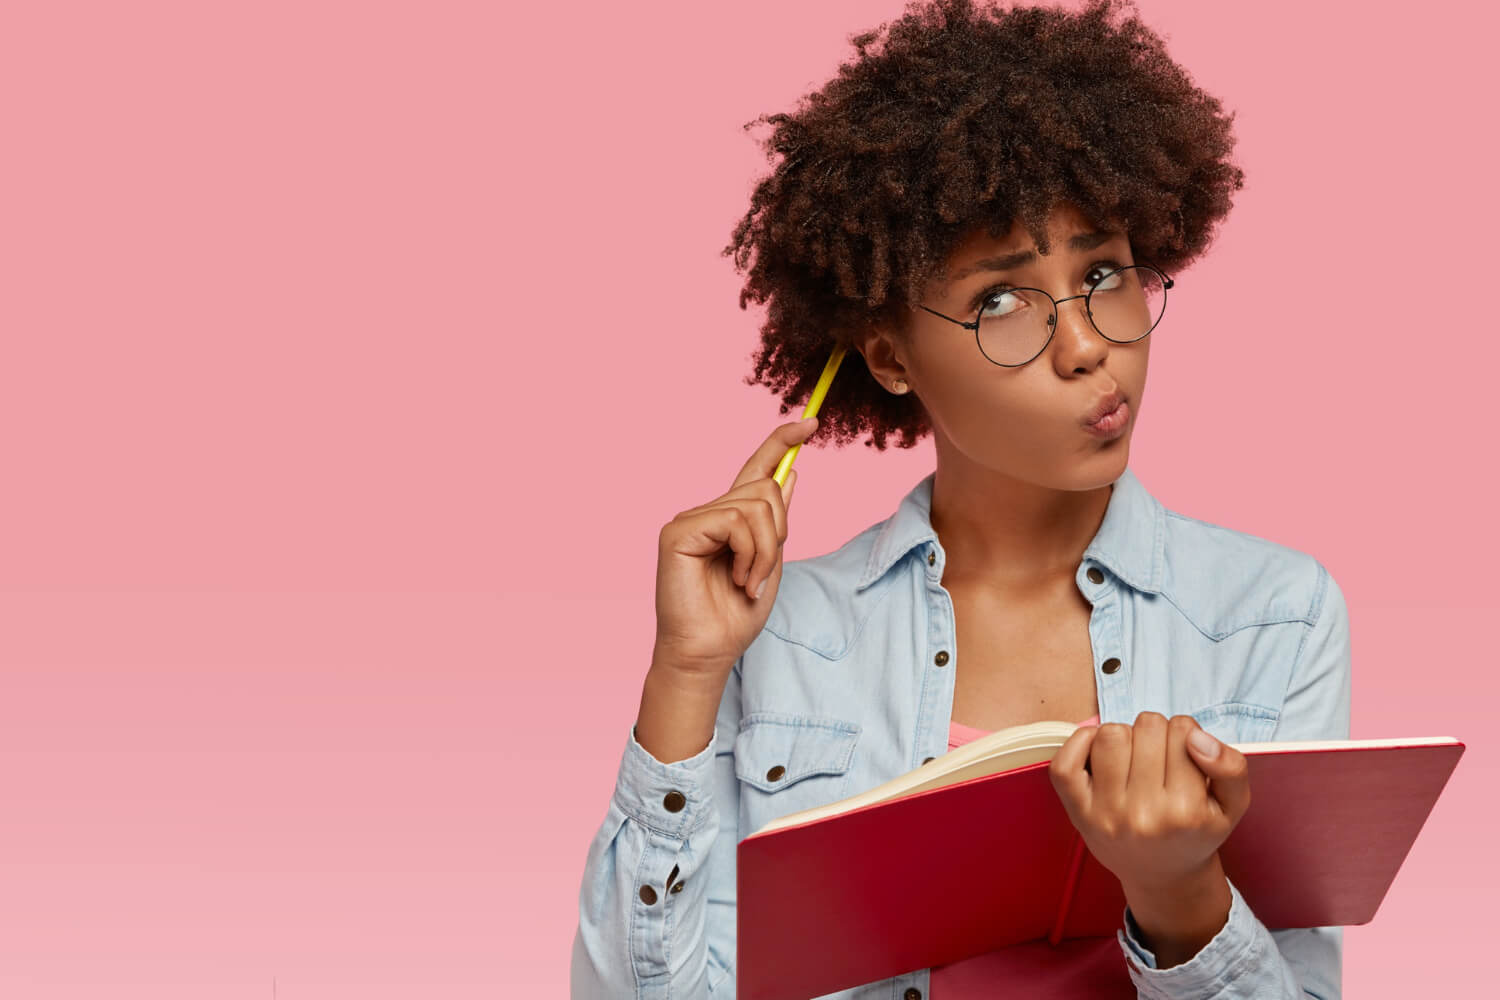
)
(882, 351)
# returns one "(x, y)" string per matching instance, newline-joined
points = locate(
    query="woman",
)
(986, 209)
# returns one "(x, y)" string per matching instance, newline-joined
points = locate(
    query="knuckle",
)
(1143, 821)
(1182, 724)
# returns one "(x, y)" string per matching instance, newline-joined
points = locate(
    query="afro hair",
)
(951, 118)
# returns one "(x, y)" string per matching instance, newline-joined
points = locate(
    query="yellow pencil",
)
(813, 402)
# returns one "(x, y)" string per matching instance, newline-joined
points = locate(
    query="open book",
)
(974, 851)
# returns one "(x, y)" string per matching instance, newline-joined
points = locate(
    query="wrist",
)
(1178, 920)
(686, 670)
(677, 714)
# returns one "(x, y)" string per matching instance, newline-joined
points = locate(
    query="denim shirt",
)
(850, 683)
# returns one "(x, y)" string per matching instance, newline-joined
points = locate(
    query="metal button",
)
(941, 659)
(912, 993)
(1112, 664)
(931, 558)
(674, 801)
(677, 887)
(926, 759)
(1094, 575)
(648, 895)
(775, 773)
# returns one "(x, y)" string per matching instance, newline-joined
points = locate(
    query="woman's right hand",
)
(713, 558)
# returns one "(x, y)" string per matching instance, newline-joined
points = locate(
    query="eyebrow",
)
(1080, 242)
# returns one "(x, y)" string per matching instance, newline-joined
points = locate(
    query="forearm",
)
(1244, 960)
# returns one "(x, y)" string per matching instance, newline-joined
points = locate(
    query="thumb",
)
(1227, 770)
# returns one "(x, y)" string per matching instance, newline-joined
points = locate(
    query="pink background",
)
(354, 354)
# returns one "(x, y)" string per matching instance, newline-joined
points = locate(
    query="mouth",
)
(1112, 424)
(1101, 410)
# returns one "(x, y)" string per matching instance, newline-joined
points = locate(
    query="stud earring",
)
(899, 387)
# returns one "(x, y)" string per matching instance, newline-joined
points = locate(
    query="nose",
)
(1087, 322)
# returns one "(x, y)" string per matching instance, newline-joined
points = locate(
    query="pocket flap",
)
(773, 751)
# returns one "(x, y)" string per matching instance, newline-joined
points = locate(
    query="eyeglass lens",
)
(1015, 323)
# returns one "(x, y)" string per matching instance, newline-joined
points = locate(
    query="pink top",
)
(1091, 967)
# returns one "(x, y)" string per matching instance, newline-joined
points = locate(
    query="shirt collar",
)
(1128, 543)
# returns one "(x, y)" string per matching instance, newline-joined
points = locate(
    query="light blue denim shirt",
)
(850, 684)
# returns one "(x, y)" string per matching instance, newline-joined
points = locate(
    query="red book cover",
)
(948, 873)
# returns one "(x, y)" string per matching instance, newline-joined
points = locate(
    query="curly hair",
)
(960, 117)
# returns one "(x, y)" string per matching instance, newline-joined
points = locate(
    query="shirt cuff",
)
(1227, 955)
(671, 799)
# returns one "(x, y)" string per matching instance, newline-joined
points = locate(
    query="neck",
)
(1001, 531)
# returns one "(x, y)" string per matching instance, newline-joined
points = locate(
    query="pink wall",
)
(330, 518)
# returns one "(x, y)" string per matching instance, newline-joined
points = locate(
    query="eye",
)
(994, 296)
(1101, 269)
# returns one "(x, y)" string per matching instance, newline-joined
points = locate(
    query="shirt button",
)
(1112, 664)
(926, 759)
(674, 801)
(1095, 576)
(931, 558)
(648, 895)
(775, 773)
(941, 658)
(912, 993)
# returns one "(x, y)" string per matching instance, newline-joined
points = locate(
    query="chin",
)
(1105, 464)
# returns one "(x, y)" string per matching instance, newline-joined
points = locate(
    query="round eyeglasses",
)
(1015, 325)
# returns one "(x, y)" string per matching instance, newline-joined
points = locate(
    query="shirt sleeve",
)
(656, 907)
(1246, 959)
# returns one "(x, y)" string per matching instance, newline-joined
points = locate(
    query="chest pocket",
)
(1238, 721)
(786, 763)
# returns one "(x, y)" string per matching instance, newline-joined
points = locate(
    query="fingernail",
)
(1204, 743)
(762, 588)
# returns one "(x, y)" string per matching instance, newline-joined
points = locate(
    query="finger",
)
(767, 544)
(1229, 782)
(1148, 755)
(774, 494)
(706, 532)
(777, 495)
(762, 515)
(1110, 761)
(762, 464)
(1183, 774)
(1072, 781)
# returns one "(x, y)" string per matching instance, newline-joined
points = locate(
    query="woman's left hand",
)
(1155, 808)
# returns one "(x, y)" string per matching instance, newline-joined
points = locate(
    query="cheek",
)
(1138, 367)
(1000, 411)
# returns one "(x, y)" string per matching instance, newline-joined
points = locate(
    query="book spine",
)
(1070, 884)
